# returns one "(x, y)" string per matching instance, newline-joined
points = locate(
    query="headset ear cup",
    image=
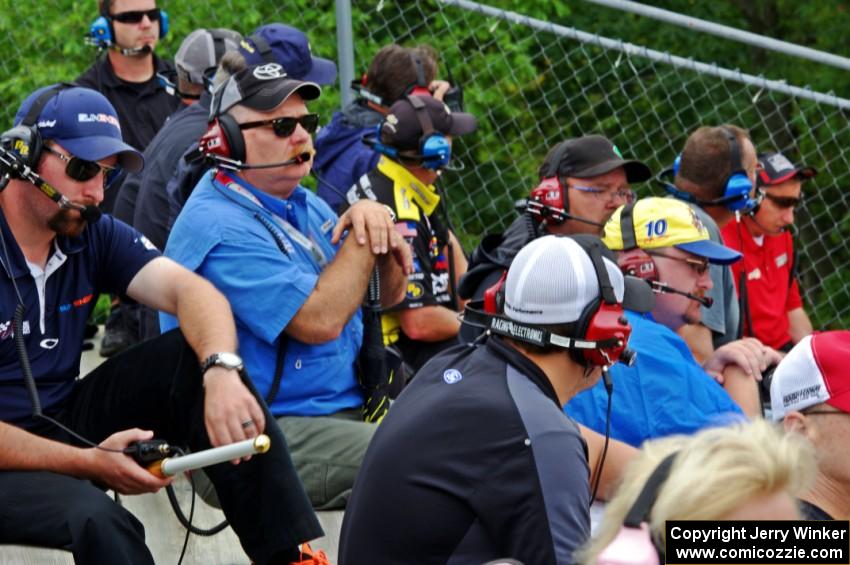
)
(607, 322)
(25, 142)
(585, 321)
(232, 136)
(100, 32)
(436, 151)
(163, 23)
(739, 186)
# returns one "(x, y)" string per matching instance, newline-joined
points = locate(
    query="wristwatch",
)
(223, 359)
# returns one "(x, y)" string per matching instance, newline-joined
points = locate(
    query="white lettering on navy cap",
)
(102, 118)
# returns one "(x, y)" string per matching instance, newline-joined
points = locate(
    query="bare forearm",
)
(799, 325)
(460, 264)
(699, 340)
(393, 281)
(337, 295)
(205, 318)
(203, 312)
(618, 456)
(23, 451)
(743, 389)
(429, 323)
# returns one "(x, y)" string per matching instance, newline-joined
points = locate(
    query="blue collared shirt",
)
(665, 392)
(219, 234)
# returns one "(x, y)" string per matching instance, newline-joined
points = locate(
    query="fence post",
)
(344, 49)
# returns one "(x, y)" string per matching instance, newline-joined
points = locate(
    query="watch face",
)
(229, 360)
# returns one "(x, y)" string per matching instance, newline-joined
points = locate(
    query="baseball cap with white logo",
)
(83, 122)
(260, 87)
(813, 372)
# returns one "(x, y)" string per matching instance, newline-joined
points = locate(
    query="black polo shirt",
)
(474, 461)
(142, 106)
(57, 303)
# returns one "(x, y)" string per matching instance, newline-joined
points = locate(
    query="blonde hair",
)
(712, 474)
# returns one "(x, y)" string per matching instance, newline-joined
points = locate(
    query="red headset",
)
(633, 260)
(601, 332)
(548, 201)
(223, 138)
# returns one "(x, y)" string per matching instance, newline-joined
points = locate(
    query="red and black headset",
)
(420, 87)
(223, 143)
(638, 263)
(601, 332)
(548, 202)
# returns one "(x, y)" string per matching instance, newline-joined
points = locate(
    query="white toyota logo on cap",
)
(269, 71)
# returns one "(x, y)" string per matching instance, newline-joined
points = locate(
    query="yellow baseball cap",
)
(664, 222)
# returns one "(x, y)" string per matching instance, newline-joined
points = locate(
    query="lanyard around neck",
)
(305, 242)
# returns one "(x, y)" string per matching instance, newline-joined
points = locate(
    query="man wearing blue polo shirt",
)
(273, 248)
(666, 391)
(186, 388)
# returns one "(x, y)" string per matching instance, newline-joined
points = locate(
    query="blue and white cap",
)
(84, 122)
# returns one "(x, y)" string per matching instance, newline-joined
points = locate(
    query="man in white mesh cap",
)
(478, 442)
(810, 394)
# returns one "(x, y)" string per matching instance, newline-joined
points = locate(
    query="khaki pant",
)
(327, 452)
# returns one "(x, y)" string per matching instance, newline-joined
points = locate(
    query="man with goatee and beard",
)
(188, 388)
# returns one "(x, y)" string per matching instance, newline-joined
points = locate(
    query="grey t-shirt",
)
(722, 317)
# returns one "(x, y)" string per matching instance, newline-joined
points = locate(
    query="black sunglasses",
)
(784, 201)
(136, 16)
(80, 169)
(283, 127)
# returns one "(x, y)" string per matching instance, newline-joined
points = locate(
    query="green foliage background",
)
(531, 88)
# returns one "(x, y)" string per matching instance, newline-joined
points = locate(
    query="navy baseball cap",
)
(84, 122)
(289, 47)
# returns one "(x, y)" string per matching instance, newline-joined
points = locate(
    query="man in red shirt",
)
(771, 308)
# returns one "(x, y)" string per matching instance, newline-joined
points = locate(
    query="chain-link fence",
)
(531, 84)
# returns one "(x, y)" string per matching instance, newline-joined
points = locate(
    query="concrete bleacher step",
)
(165, 534)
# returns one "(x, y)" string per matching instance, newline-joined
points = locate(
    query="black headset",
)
(24, 140)
(420, 87)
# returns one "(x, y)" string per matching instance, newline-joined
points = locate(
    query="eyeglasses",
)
(626, 195)
(284, 127)
(699, 266)
(825, 412)
(80, 169)
(784, 201)
(136, 16)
